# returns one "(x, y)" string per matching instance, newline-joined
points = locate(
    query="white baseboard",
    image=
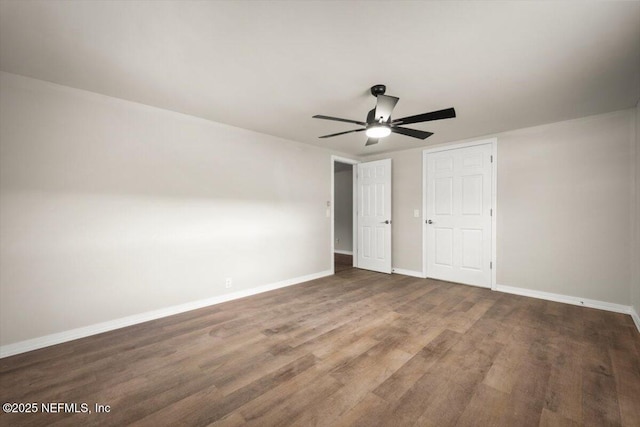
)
(583, 302)
(407, 272)
(636, 318)
(343, 252)
(73, 334)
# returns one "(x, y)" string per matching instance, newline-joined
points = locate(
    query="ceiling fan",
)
(379, 123)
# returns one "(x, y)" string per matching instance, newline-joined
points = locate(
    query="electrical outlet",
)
(416, 213)
(338, 240)
(228, 283)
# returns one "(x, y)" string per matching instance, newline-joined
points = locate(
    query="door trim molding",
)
(494, 199)
(332, 245)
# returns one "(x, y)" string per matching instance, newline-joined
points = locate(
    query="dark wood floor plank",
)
(215, 405)
(552, 419)
(232, 420)
(358, 376)
(339, 337)
(258, 407)
(371, 406)
(356, 348)
(626, 370)
(298, 402)
(487, 407)
(599, 394)
(404, 378)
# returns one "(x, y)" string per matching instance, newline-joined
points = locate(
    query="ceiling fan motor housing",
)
(378, 90)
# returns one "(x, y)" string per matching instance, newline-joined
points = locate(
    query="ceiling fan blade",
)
(412, 132)
(384, 106)
(341, 133)
(447, 113)
(338, 119)
(371, 141)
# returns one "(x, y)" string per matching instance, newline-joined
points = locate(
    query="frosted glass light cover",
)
(378, 131)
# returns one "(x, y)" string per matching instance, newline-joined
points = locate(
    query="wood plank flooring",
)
(342, 262)
(354, 349)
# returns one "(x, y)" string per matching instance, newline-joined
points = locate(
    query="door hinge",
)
(492, 158)
(490, 212)
(490, 265)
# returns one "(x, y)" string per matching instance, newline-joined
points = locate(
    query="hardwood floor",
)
(354, 349)
(342, 262)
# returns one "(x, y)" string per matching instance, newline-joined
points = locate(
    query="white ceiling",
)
(270, 66)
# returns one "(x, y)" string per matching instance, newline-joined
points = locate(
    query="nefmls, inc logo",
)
(66, 407)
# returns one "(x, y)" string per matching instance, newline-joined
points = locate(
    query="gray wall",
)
(564, 207)
(343, 210)
(110, 208)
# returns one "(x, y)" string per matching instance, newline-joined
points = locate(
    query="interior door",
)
(374, 215)
(458, 212)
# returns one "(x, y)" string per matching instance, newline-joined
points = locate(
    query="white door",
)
(458, 215)
(374, 215)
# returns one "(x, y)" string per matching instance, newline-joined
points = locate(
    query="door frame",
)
(354, 218)
(494, 199)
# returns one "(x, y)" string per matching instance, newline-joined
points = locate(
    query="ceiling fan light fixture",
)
(379, 124)
(378, 131)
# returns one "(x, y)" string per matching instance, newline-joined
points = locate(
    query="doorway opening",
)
(343, 231)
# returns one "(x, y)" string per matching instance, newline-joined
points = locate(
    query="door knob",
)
(386, 222)
(429, 221)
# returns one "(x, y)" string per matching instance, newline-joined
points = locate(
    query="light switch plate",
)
(416, 213)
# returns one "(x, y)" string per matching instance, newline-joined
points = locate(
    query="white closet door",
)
(459, 215)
